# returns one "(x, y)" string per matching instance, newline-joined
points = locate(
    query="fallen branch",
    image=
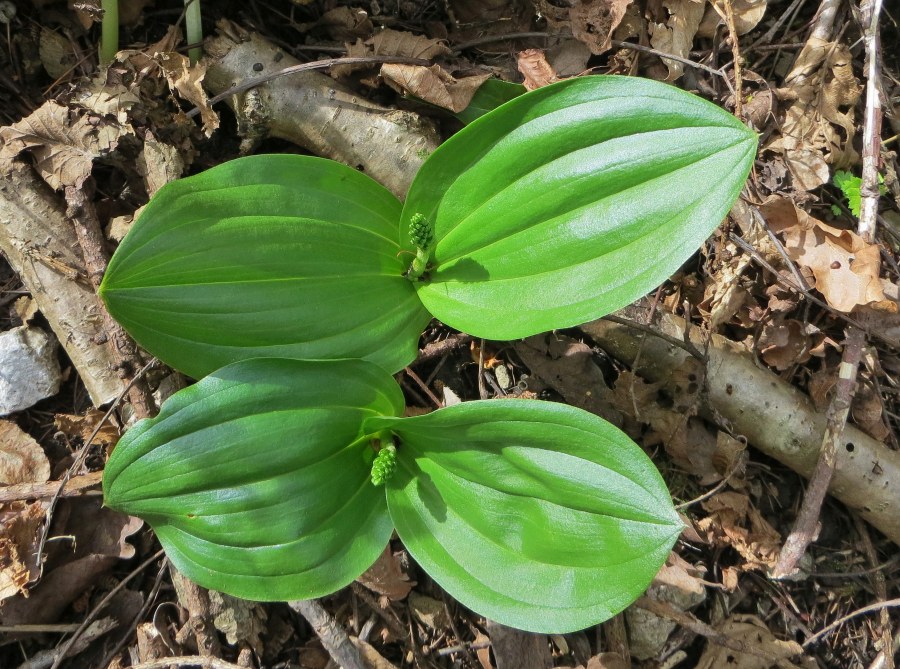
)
(334, 639)
(775, 417)
(41, 247)
(314, 111)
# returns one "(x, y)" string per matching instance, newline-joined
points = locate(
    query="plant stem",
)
(419, 264)
(109, 35)
(194, 28)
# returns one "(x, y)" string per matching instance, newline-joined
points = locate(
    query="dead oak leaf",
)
(64, 144)
(676, 35)
(19, 523)
(432, 84)
(845, 267)
(533, 65)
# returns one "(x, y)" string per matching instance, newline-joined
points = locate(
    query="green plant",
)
(850, 185)
(109, 31)
(281, 478)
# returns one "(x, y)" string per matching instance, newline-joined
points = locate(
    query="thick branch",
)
(316, 112)
(775, 417)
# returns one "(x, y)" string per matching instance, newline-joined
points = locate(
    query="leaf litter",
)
(805, 100)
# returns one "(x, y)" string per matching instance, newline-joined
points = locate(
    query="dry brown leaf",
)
(816, 131)
(533, 65)
(82, 427)
(22, 460)
(64, 144)
(868, 412)
(57, 53)
(845, 267)
(594, 21)
(159, 163)
(429, 611)
(432, 84)
(676, 35)
(747, 15)
(732, 521)
(392, 43)
(346, 23)
(752, 632)
(19, 523)
(386, 578)
(784, 343)
(187, 81)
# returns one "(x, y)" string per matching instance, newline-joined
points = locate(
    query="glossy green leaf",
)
(275, 256)
(572, 201)
(490, 95)
(257, 479)
(538, 515)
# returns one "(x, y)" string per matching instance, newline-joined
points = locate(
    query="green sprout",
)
(193, 28)
(850, 185)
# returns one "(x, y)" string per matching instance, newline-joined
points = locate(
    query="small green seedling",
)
(278, 478)
(850, 185)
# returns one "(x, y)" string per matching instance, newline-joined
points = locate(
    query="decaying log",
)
(314, 111)
(40, 245)
(775, 417)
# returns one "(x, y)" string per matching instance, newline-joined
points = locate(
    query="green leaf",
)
(538, 515)
(490, 95)
(572, 201)
(267, 256)
(257, 479)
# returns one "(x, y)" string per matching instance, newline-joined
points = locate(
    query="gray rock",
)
(29, 368)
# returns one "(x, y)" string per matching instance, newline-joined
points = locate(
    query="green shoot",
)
(109, 35)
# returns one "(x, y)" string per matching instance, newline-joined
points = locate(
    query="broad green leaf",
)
(256, 479)
(538, 515)
(267, 256)
(490, 95)
(572, 201)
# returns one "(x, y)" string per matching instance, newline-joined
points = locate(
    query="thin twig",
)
(200, 661)
(436, 349)
(61, 655)
(669, 56)
(253, 82)
(80, 458)
(805, 527)
(871, 150)
(685, 344)
(828, 629)
(333, 637)
(74, 486)
(735, 54)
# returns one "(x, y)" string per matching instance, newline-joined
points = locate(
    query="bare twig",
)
(879, 583)
(77, 485)
(438, 348)
(669, 56)
(253, 82)
(333, 637)
(201, 662)
(735, 54)
(871, 149)
(828, 629)
(64, 651)
(805, 527)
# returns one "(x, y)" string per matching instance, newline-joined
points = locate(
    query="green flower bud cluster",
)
(421, 231)
(384, 464)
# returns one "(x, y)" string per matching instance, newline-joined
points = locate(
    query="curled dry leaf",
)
(676, 34)
(19, 527)
(83, 426)
(733, 521)
(592, 22)
(432, 84)
(392, 43)
(533, 65)
(64, 143)
(818, 125)
(187, 82)
(845, 267)
(786, 342)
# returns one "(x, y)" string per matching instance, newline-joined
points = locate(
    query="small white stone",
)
(29, 368)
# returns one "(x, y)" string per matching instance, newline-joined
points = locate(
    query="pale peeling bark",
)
(41, 247)
(775, 417)
(314, 111)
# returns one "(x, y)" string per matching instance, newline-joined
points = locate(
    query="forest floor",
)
(802, 277)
